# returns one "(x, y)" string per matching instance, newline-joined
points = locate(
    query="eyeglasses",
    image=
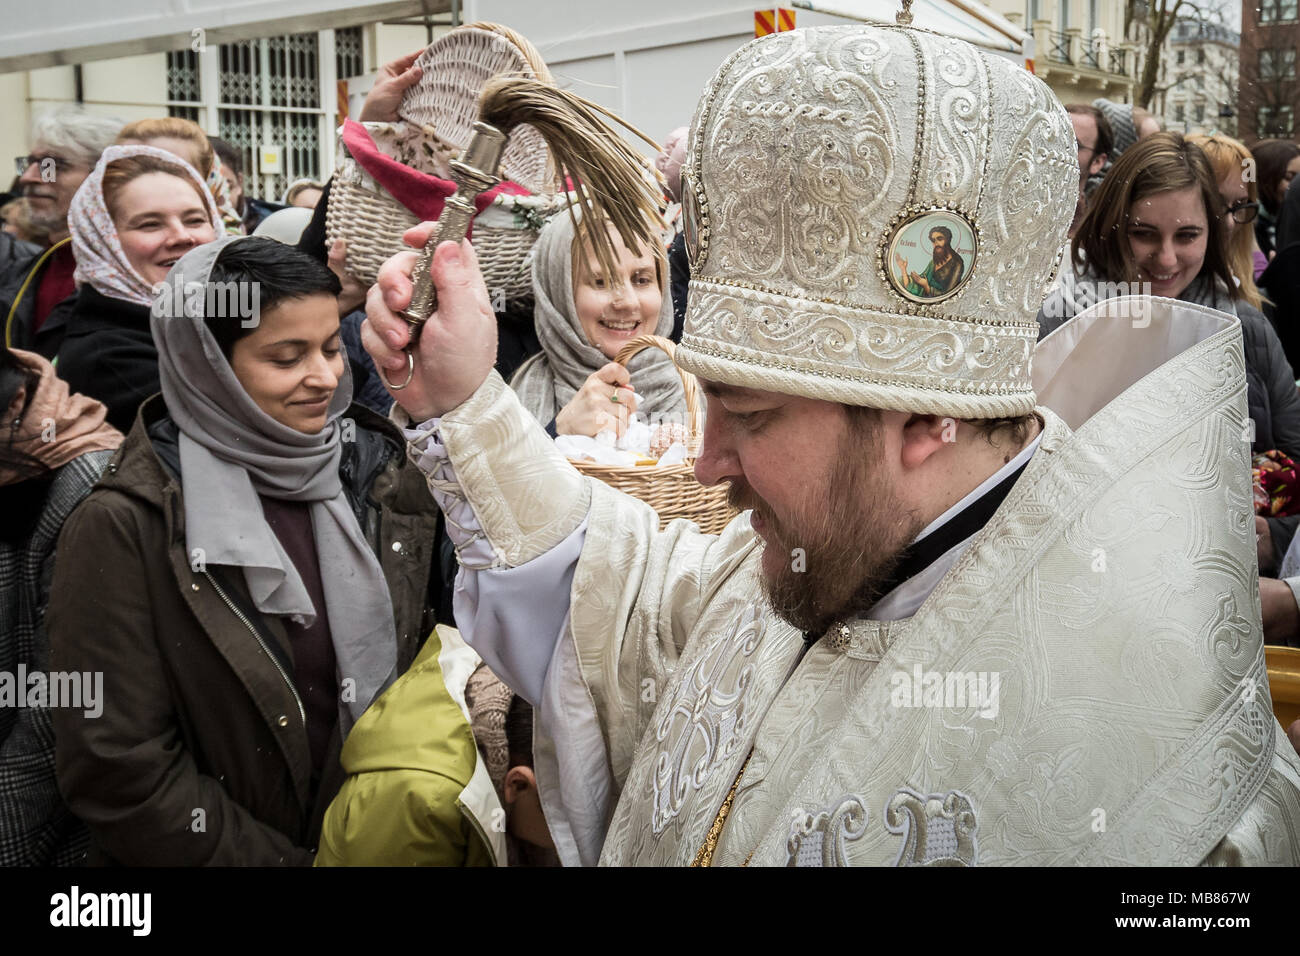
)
(1085, 149)
(22, 163)
(1243, 211)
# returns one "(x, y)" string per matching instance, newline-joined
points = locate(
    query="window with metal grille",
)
(349, 57)
(269, 95)
(183, 96)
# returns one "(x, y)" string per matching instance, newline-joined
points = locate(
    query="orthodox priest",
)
(971, 613)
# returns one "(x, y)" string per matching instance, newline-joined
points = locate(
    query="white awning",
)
(53, 32)
(967, 20)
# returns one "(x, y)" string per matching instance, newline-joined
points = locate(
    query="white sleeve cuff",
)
(425, 449)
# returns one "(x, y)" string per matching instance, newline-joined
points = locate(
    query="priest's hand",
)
(594, 408)
(1281, 615)
(456, 347)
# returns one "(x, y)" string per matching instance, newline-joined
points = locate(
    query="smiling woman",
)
(583, 318)
(288, 358)
(136, 214)
(275, 579)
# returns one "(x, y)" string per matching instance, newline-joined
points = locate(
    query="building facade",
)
(1080, 50)
(278, 99)
(1269, 93)
(1199, 78)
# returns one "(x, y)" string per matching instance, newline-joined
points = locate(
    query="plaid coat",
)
(35, 827)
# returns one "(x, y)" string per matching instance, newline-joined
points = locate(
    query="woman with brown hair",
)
(1232, 162)
(1155, 227)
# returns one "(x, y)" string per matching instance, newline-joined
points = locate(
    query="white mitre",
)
(820, 158)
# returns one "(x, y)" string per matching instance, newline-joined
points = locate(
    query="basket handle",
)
(694, 427)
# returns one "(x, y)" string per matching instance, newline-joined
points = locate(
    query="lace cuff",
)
(425, 449)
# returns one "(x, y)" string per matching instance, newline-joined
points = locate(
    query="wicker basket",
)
(437, 116)
(671, 490)
(373, 222)
(445, 102)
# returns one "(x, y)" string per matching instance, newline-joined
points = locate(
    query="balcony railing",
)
(1058, 49)
(1093, 54)
(1070, 48)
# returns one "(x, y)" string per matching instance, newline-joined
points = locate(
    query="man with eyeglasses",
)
(1094, 139)
(36, 284)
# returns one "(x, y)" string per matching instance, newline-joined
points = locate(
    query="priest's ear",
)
(924, 436)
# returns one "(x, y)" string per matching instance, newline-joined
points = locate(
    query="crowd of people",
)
(274, 584)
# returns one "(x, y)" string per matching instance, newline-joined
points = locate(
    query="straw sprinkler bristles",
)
(613, 182)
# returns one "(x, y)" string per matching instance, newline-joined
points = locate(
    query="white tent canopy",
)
(54, 32)
(964, 19)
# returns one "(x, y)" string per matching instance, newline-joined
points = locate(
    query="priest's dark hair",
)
(280, 272)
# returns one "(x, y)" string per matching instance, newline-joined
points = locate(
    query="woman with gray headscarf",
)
(583, 319)
(251, 573)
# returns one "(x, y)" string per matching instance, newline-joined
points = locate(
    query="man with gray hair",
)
(36, 286)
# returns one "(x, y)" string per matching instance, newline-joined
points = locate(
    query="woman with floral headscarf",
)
(186, 139)
(136, 214)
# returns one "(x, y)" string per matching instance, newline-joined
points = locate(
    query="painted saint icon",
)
(931, 255)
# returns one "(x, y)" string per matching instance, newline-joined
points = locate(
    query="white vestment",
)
(1084, 683)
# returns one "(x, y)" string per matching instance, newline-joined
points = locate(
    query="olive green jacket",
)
(417, 792)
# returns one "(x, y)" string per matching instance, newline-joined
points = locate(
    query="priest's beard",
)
(845, 538)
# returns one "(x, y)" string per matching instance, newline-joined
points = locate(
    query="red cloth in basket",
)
(419, 192)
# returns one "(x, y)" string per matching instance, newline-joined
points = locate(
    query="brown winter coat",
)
(201, 754)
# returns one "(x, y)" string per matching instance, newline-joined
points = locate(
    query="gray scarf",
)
(549, 380)
(232, 451)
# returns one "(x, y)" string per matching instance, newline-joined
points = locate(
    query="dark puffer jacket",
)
(108, 353)
(201, 755)
(21, 266)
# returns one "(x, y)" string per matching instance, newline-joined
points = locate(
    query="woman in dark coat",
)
(53, 447)
(252, 572)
